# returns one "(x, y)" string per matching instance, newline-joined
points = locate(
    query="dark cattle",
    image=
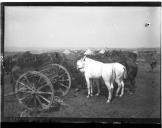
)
(153, 64)
(132, 70)
(15, 73)
(27, 61)
(8, 64)
(128, 59)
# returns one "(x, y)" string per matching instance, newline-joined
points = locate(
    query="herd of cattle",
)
(18, 63)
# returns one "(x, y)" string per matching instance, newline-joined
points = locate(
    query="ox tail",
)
(125, 73)
(113, 74)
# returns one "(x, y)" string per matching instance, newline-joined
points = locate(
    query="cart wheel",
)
(34, 90)
(59, 77)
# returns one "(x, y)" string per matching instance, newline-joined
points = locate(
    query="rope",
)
(60, 101)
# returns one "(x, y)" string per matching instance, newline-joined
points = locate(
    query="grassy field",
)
(145, 103)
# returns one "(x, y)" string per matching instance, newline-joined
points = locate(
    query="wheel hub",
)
(33, 89)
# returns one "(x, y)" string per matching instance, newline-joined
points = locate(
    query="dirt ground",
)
(145, 103)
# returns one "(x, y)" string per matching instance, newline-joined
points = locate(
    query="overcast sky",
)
(53, 27)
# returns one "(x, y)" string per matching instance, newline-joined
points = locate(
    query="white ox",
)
(89, 52)
(109, 72)
(102, 51)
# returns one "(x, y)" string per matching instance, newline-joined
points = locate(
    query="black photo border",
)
(72, 120)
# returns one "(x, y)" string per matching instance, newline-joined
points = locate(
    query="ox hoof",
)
(131, 92)
(97, 94)
(120, 95)
(88, 96)
(108, 101)
(116, 95)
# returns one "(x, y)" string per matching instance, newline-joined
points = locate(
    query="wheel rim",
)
(59, 77)
(34, 90)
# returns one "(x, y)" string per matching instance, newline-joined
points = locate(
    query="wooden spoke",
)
(45, 69)
(42, 86)
(39, 80)
(42, 104)
(39, 101)
(64, 80)
(62, 75)
(24, 85)
(27, 81)
(56, 69)
(24, 97)
(44, 99)
(54, 76)
(63, 85)
(21, 90)
(29, 101)
(35, 103)
(61, 70)
(40, 92)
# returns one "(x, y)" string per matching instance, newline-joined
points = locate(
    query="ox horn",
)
(84, 57)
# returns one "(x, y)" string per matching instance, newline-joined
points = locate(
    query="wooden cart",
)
(36, 89)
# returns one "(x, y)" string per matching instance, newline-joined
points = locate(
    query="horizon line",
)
(15, 49)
